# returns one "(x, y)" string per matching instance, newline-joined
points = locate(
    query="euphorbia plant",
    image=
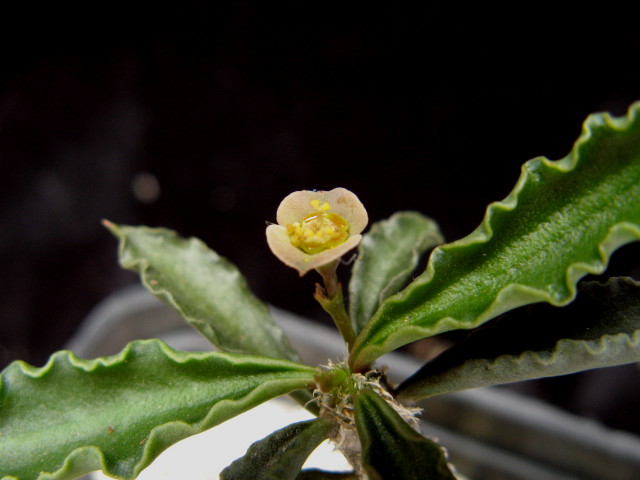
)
(562, 221)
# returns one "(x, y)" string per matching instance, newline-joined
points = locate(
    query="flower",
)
(316, 228)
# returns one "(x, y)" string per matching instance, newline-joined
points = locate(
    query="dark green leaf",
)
(387, 256)
(118, 413)
(600, 328)
(391, 449)
(562, 220)
(280, 456)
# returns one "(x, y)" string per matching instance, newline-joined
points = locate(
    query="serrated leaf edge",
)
(515, 295)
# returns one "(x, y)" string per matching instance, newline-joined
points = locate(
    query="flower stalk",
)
(331, 300)
(314, 229)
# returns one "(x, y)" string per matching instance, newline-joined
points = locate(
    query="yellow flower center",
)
(319, 230)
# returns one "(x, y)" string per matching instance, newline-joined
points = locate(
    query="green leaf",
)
(118, 413)
(280, 456)
(206, 289)
(562, 220)
(387, 256)
(601, 328)
(391, 449)
(322, 475)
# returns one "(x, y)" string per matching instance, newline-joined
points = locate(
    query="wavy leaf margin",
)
(207, 290)
(403, 318)
(601, 328)
(387, 255)
(251, 379)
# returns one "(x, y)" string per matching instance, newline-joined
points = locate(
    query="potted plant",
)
(562, 221)
(489, 433)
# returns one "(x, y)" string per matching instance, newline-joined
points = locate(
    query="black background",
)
(230, 108)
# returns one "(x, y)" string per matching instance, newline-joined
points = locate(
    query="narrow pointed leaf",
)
(322, 475)
(601, 328)
(118, 413)
(280, 456)
(562, 220)
(206, 289)
(391, 449)
(387, 256)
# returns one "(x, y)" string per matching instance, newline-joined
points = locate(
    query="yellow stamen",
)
(325, 207)
(318, 231)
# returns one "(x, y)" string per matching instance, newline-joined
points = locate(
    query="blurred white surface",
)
(204, 456)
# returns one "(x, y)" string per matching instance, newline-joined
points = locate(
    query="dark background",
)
(203, 118)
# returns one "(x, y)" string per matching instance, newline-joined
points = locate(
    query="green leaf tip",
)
(208, 291)
(205, 288)
(280, 456)
(601, 328)
(118, 413)
(562, 221)
(387, 256)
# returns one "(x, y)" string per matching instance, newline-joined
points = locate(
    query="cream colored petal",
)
(297, 205)
(280, 244)
(348, 206)
(334, 253)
